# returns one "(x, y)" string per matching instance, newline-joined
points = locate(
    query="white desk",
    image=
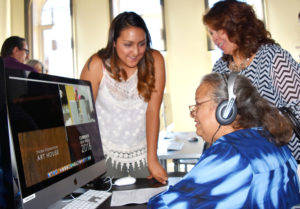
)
(190, 150)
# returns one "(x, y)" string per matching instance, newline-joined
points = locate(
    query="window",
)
(51, 36)
(150, 11)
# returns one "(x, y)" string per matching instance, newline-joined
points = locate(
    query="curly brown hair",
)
(239, 21)
(110, 59)
(253, 110)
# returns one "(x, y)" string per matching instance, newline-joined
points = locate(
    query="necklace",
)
(238, 68)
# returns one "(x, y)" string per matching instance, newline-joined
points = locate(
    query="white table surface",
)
(189, 149)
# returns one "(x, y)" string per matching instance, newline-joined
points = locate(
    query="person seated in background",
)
(248, 164)
(15, 52)
(38, 65)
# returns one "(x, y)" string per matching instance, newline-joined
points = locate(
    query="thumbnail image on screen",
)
(77, 104)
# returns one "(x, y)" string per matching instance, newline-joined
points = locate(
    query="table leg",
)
(176, 165)
(163, 162)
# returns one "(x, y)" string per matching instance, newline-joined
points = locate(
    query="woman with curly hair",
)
(249, 49)
(248, 164)
(128, 80)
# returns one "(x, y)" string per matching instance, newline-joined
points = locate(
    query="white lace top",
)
(122, 120)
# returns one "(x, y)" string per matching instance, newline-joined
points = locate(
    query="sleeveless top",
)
(121, 115)
(276, 76)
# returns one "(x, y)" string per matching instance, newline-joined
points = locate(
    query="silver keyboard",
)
(175, 146)
(90, 199)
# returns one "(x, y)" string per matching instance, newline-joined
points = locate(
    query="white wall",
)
(91, 26)
(5, 17)
(11, 19)
(282, 21)
(187, 57)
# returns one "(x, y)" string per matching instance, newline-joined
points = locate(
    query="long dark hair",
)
(146, 77)
(10, 43)
(239, 21)
(253, 110)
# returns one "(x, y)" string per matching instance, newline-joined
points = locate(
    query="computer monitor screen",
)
(55, 135)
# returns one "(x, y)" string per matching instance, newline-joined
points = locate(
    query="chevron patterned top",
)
(276, 75)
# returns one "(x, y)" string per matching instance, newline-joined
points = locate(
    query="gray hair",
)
(33, 62)
(253, 110)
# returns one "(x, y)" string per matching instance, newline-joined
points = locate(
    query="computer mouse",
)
(193, 139)
(125, 181)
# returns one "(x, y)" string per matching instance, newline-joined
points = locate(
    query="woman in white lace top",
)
(128, 80)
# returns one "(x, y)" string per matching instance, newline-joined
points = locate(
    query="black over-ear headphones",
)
(226, 111)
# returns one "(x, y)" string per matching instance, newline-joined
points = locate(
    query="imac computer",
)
(6, 182)
(55, 140)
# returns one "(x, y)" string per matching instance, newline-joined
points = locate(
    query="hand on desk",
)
(157, 172)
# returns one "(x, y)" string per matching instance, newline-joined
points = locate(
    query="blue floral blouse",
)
(240, 170)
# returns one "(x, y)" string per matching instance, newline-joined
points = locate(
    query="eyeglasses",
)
(26, 50)
(194, 107)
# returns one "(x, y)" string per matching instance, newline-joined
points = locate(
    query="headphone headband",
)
(226, 111)
(231, 95)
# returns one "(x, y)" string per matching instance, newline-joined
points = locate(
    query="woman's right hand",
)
(158, 172)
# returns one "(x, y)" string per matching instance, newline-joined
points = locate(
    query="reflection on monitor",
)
(55, 136)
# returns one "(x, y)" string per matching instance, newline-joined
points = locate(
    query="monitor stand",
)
(100, 183)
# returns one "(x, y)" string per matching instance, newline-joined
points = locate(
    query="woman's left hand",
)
(157, 172)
